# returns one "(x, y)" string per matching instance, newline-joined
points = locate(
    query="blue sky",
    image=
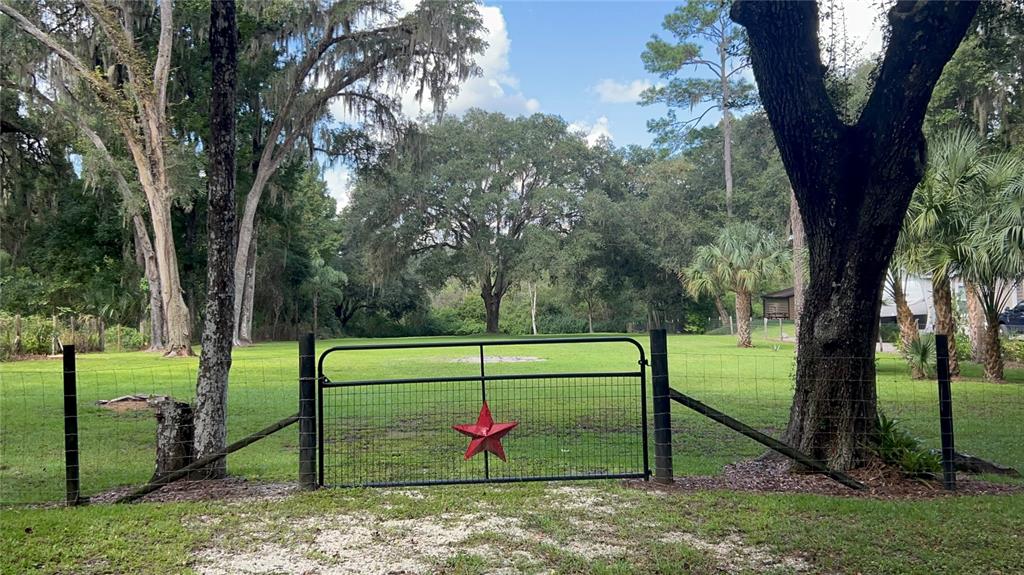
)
(581, 61)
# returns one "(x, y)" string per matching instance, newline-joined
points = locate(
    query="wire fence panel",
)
(759, 390)
(399, 431)
(117, 425)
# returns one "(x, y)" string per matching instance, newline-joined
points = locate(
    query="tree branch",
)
(162, 68)
(924, 37)
(787, 64)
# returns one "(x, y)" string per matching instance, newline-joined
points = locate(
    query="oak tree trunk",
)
(945, 321)
(853, 184)
(492, 309)
(743, 319)
(218, 328)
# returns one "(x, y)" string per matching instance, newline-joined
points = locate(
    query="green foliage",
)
(695, 24)
(890, 333)
(125, 338)
(465, 318)
(742, 259)
(921, 354)
(895, 446)
(1013, 349)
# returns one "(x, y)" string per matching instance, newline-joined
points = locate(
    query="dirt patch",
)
(128, 403)
(365, 545)
(572, 498)
(774, 476)
(732, 555)
(497, 359)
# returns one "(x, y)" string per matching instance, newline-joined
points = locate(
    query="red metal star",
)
(485, 433)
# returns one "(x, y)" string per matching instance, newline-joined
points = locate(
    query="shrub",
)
(1013, 350)
(896, 446)
(130, 338)
(890, 333)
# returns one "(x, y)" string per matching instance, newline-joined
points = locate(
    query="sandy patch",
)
(363, 544)
(731, 554)
(130, 402)
(497, 359)
(572, 498)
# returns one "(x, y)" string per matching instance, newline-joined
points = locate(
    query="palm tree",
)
(743, 259)
(991, 254)
(935, 223)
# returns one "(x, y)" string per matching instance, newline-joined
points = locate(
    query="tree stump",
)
(174, 436)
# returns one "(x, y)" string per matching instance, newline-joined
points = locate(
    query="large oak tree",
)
(853, 183)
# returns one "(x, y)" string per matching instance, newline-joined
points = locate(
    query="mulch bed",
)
(774, 476)
(752, 476)
(231, 488)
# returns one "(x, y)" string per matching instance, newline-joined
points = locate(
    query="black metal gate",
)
(400, 430)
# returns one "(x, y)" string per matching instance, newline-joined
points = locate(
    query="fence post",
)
(307, 412)
(662, 407)
(945, 412)
(72, 483)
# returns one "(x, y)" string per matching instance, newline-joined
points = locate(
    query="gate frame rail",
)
(323, 382)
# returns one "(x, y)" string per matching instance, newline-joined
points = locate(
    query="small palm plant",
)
(742, 259)
(920, 355)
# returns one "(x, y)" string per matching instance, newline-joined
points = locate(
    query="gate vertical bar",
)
(945, 412)
(662, 407)
(307, 413)
(483, 394)
(72, 483)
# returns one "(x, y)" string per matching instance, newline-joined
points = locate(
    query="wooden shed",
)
(779, 304)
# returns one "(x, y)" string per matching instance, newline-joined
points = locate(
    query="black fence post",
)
(72, 483)
(662, 407)
(945, 412)
(307, 412)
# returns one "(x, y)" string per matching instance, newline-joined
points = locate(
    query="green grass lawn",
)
(753, 385)
(566, 528)
(594, 527)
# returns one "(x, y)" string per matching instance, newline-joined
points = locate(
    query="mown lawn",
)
(596, 527)
(592, 527)
(754, 385)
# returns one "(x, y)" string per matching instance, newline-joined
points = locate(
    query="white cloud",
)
(592, 132)
(339, 181)
(497, 88)
(613, 92)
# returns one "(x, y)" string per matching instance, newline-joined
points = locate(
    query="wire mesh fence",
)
(758, 389)
(568, 424)
(117, 424)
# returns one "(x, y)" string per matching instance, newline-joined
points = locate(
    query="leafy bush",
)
(896, 446)
(1013, 350)
(130, 338)
(889, 333)
(963, 347)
